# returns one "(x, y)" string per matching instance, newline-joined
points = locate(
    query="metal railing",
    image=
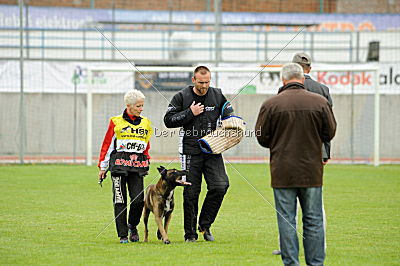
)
(189, 46)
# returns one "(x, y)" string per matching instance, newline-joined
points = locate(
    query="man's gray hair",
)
(131, 97)
(292, 71)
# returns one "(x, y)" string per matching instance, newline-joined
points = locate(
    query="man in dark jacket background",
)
(293, 126)
(304, 60)
(196, 110)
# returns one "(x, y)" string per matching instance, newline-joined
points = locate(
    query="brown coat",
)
(293, 124)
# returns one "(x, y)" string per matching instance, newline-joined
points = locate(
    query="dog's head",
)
(173, 176)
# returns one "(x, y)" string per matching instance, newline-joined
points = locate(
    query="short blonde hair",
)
(131, 97)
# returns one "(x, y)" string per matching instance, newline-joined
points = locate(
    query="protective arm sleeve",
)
(227, 109)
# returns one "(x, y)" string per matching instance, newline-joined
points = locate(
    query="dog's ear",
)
(162, 170)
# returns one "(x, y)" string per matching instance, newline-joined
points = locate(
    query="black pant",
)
(135, 187)
(212, 166)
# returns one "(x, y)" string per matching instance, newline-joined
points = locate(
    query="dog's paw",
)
(167, 242)
(145, 240)
(159, 236)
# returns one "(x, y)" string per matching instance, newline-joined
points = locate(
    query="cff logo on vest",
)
(131, 146)
(121, 147)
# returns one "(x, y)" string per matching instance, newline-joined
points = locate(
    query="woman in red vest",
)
(125, 153)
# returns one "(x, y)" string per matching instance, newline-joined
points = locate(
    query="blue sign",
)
(78, 18)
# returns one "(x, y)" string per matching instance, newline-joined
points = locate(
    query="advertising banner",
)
(338, 82)
(165, 81)
(61, 77)
(78, 18)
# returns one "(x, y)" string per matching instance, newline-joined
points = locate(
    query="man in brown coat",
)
(293, 125)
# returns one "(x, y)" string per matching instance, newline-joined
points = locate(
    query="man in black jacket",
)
(304, 60)
(196, 110)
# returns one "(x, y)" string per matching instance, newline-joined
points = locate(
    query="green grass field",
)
(51, 214)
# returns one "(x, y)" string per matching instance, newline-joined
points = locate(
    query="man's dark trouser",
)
(135, 187)
(212, 166)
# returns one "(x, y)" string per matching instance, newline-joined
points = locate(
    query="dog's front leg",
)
(157, 216)
(168, 216)
(146, 213)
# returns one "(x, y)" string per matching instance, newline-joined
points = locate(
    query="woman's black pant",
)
(134, 183)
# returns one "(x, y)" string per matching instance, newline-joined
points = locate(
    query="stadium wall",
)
(50, 125)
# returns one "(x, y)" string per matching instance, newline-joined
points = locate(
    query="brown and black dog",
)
(159, 199)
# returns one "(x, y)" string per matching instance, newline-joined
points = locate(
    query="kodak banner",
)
(341, 82)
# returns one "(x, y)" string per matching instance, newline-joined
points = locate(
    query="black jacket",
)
(314, 86)
(194, 127)
(321, 89)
